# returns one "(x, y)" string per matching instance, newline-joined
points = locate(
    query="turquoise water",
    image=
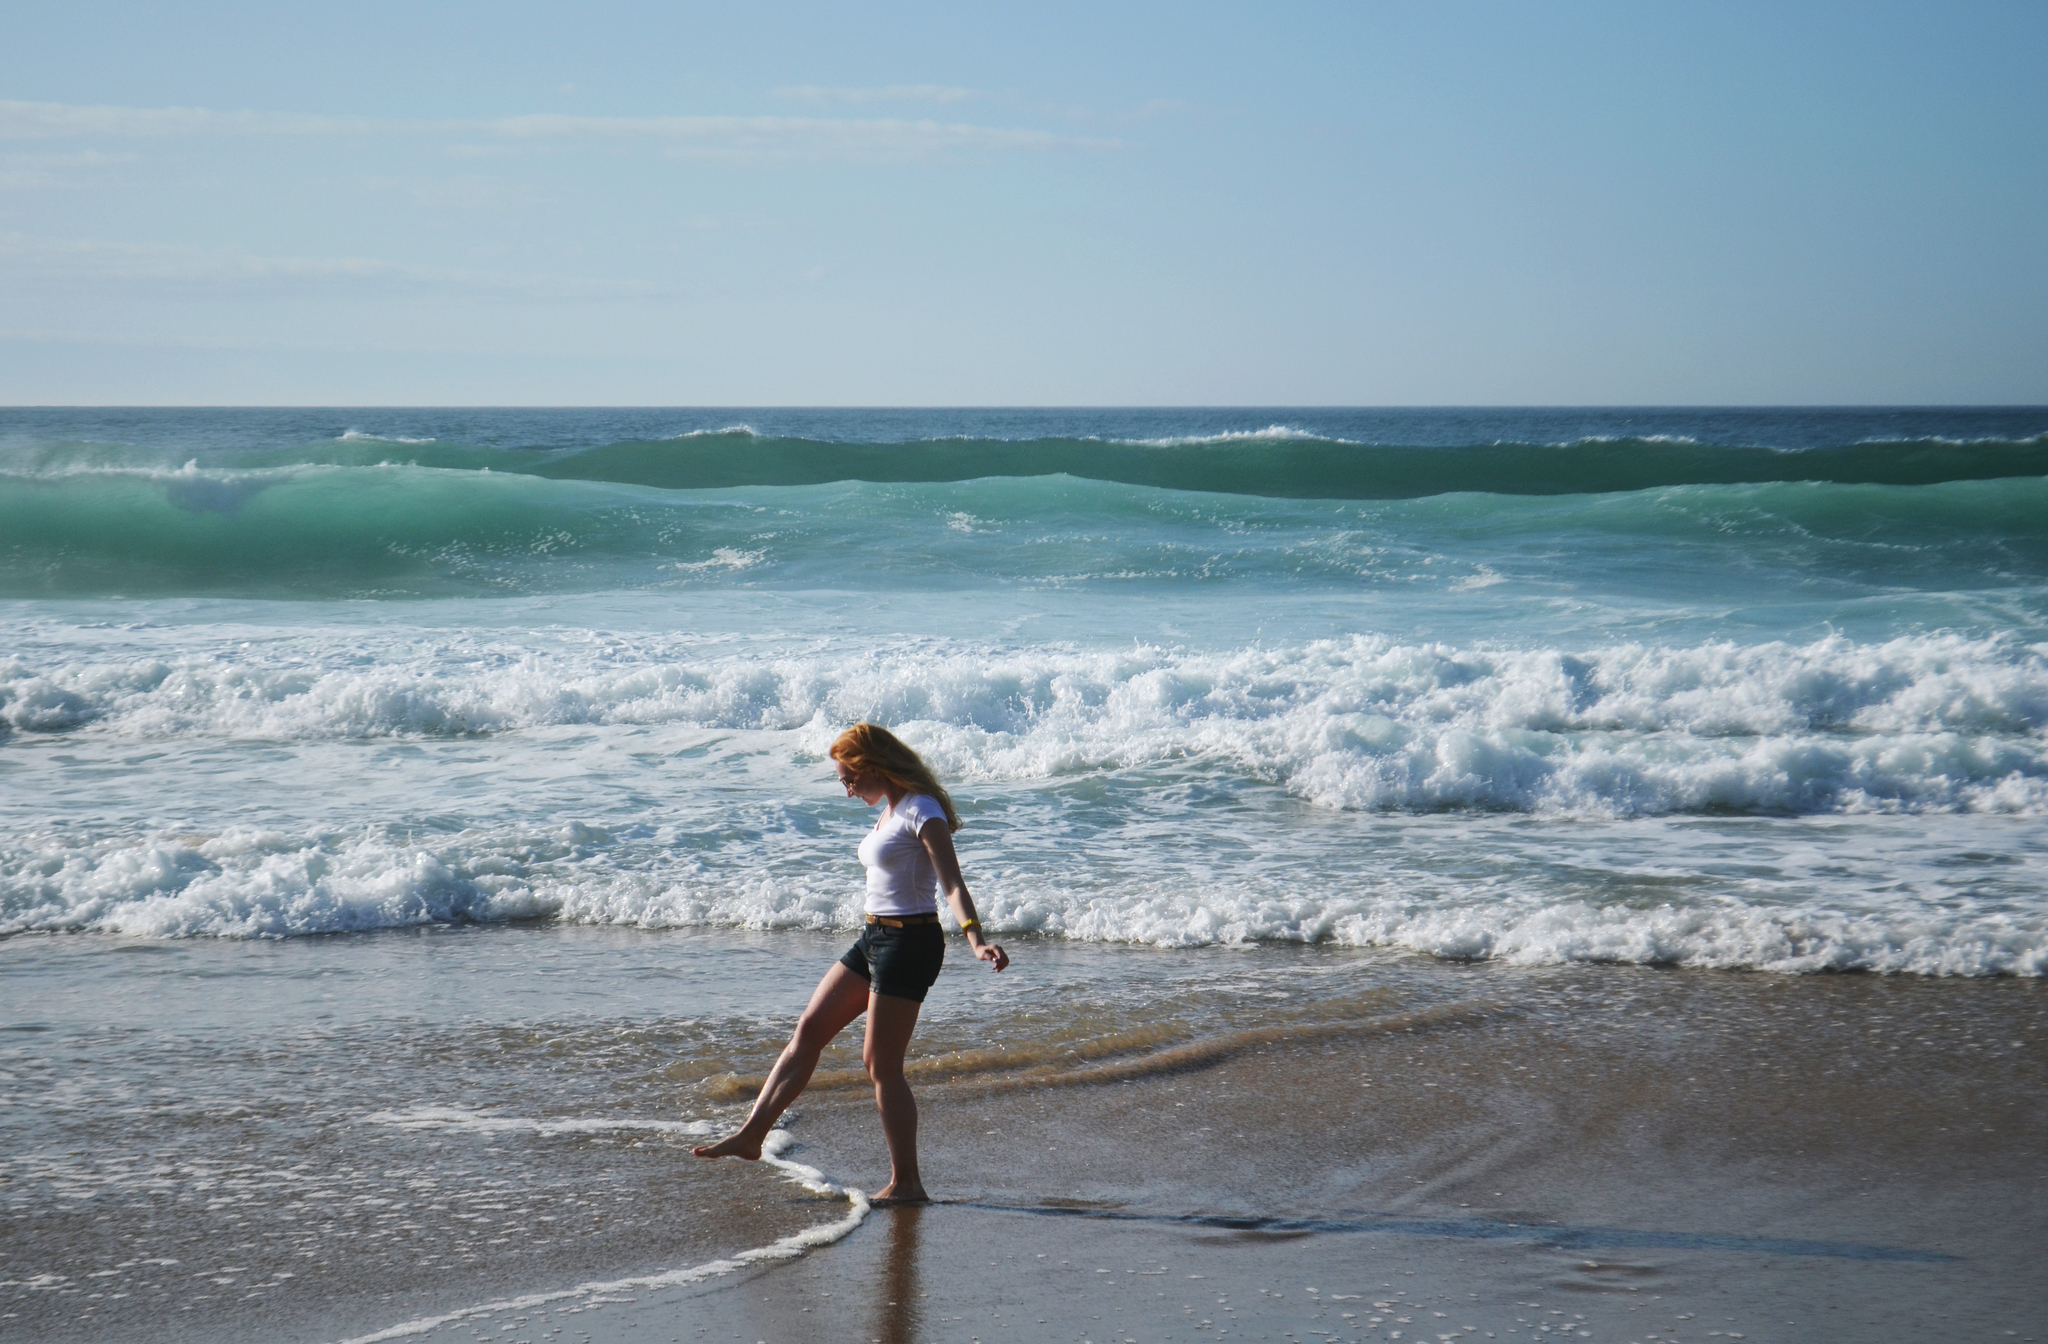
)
(1759, 689)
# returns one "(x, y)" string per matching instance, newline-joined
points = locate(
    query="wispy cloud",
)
(67, 121)
(892, 93)
(25, 172)
(1157, 107)
(460, 191)
(690, 136)
(130, 338)
(47, 263)
(792, 137)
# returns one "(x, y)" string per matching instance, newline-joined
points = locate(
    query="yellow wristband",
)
(967, 924)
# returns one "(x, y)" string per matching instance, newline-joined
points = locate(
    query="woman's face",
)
(865, 785)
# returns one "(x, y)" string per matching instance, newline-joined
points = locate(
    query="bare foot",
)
(741, 1145)
(892, 1193)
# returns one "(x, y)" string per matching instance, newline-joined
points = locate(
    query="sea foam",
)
(247, 883)
(788, 1248)
(1919, 723)
(363, 436)
(1095, 764)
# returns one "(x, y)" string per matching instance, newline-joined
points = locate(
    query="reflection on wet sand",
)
(1550, 1233)
(896, 1313)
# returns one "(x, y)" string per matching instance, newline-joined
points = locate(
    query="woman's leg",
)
(839, 998)
(890, 1022)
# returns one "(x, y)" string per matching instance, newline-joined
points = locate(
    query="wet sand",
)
(1621, 1155)
(1621, 1152)
(954, 1273)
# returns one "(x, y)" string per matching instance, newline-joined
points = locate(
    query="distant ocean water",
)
(1761, 688)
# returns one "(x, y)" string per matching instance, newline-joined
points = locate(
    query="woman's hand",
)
(992, 952)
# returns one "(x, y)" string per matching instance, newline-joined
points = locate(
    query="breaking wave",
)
(1278, 461)
(1928, 723)
(404, 530)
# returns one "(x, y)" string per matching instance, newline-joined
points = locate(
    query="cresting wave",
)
(407, 531)
(1277, 462)
(361, 436)
(1270, 434)
(1295, 466)
(1281, 464)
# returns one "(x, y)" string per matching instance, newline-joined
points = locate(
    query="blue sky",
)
(1406, 204)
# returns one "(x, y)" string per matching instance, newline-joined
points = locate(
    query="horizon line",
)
(1030, 406)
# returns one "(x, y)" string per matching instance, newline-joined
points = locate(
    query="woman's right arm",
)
(938, 842)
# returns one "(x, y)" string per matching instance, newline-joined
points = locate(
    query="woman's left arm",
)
(938, 842)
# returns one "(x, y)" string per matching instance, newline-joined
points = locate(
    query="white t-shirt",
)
(901, 879)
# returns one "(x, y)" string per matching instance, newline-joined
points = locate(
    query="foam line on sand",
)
(788, 1248)
(448, 1117)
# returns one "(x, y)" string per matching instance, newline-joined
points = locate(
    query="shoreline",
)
(1832, 1151)
(953, 1272)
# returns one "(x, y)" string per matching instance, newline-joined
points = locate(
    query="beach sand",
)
(1622, 1153)
(1676, 1156)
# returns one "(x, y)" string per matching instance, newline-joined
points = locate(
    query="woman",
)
(909, 857)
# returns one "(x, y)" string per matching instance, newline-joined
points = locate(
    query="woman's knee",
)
(882, 1066)
(813, 1033)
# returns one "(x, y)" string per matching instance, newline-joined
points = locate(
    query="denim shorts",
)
(902, 963)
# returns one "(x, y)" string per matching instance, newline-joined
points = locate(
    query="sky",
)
(1046, 204)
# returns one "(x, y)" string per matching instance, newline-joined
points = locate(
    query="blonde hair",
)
(870, 746)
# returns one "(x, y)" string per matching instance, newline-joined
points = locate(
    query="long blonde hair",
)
(870, 746)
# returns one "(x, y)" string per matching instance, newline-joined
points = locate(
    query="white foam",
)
(1270, 434)
(1721, 936)
(1936, 743)
(361, 436)
(476, 1122)
(189, 471)
(788, 1248)
(2040, 436)
(723, 558)
(1849, 896)
(1685, 439)
(1926, 723)
(748, 430)
(250, 882)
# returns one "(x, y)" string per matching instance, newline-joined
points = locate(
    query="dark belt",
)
(900, 921)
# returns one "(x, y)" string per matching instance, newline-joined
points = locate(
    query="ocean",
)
(388, 792)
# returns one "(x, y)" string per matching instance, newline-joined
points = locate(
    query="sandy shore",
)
(1613, 1154)
(954, 1273)
(1658, 1152)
